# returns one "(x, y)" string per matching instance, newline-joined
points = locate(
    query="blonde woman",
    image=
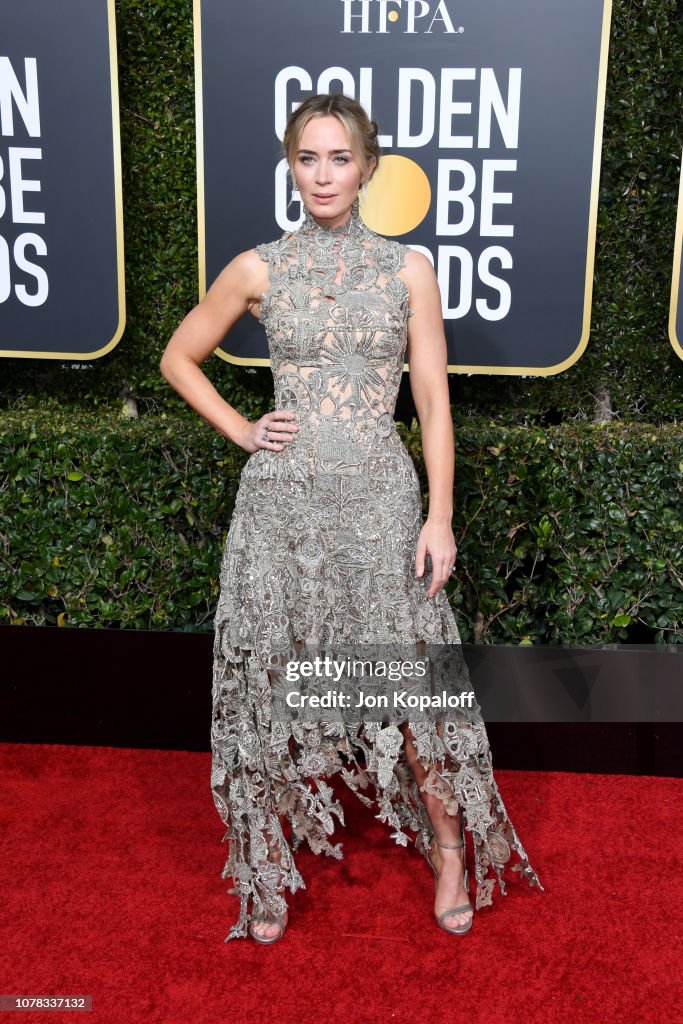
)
(328, 543)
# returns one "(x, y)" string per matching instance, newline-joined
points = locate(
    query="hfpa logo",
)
(376, 16)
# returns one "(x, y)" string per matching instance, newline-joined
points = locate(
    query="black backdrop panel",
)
(61, 225)
(469, 93)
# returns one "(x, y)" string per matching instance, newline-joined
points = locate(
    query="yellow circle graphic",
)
(398, 196)
(392, 15)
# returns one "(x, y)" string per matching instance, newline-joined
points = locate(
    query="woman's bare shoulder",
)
(247, 269)
(418, 275)
(417, 265)
(248, 261)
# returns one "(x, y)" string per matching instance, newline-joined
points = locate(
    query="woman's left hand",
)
(436, 540)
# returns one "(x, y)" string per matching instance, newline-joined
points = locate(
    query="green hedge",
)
(569, 534)
(629, 352)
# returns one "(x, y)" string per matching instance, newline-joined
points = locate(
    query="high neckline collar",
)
(353, 225)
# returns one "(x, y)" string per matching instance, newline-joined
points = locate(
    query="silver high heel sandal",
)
(461, 929)
(266, 940)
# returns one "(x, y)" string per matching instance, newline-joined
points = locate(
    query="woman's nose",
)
(323, 174)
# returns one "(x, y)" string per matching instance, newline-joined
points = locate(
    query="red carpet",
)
(111, 860)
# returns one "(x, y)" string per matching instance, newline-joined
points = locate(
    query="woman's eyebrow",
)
(312, 151)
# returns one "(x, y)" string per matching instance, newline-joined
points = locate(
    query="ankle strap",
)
(448, 846)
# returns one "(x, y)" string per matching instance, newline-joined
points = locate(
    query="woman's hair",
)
(361, 131)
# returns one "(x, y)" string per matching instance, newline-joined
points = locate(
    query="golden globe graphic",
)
(398, 196)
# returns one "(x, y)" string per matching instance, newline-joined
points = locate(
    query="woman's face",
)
(325, 170)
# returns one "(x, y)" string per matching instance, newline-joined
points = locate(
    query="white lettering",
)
(489, 198)
(490, 100)
(38, 297)
(340, 75)
(486, 312)
(406, 78)
(363, 14)
(383, 11)
(282, 199)
(449, 107)
(442, 15)
(26, 100)
(445, 195)
(19, 185)
(464, 196)
(416, 9)
(446, 254)
(365, 99)
(282, 106)
(5, 275)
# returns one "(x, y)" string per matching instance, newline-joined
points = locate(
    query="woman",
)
(327, 543)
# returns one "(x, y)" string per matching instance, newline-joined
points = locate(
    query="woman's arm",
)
(235, 291)
(428, 364)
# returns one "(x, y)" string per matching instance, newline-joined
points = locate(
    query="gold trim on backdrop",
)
(676, 275)
(199, 137)
(241, 360)
(536, 371)
(118, 207)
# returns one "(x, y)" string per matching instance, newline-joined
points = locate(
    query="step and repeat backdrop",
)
(491, 117)
(61, 221)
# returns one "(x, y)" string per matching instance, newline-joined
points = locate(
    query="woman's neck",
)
(313, 224)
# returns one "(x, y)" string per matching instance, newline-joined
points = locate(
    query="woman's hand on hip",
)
(436, 540)
(272, 431)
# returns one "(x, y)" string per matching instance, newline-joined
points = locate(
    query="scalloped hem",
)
(255, 780)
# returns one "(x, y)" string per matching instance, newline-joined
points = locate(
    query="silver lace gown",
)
(321, 549)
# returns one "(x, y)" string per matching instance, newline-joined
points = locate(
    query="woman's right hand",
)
(272, 431)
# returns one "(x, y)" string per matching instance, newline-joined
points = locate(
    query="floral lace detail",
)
(321, 551)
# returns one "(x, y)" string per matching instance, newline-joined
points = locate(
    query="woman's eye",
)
(307, 158)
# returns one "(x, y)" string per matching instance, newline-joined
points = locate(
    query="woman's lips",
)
(322, 199)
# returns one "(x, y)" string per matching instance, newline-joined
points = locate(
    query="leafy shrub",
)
(570, 534)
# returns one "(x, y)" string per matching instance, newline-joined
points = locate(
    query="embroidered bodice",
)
(336, 315)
